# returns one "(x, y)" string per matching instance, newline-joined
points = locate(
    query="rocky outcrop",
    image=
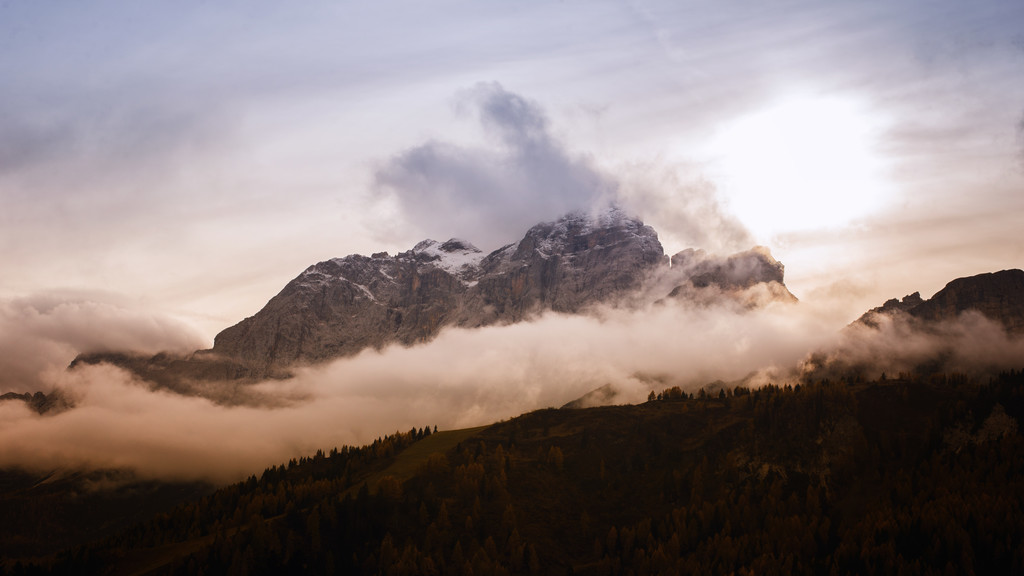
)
(345, 305)
(997, 295)
(341, 306)
(913, 336)
(695, 270)
(52, 403)
(564, 266)
(741, 270)
(892, 307)
(173, 371)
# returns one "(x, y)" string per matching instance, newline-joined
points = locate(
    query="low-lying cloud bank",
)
(462, 378)
(468, 377)
(44, 331)
(970, 344)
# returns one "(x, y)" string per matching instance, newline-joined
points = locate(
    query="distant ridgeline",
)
(902, 476)
(940, 334)
(997, 295)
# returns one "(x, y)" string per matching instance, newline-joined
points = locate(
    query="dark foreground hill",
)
(44, 513)
(913, 476)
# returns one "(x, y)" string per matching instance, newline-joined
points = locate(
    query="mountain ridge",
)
(342, 306)
(998, 296)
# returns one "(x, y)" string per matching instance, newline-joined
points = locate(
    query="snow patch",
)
(365, 291)
(457, 257)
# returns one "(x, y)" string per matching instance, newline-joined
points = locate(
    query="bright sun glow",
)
(802, 164)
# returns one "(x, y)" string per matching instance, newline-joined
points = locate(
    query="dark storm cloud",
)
(491, 195)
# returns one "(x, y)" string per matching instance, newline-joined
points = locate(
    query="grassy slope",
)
(408, 462)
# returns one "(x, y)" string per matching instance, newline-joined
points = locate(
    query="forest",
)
(903, 475)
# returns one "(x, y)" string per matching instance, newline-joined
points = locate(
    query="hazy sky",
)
(179, 162)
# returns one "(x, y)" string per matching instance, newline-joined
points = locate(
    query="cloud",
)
(683, 206)
(970, 344)
(465, 377)
(492, 195)
(46, 331)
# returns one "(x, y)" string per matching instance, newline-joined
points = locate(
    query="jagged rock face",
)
(926, 337)
(341, 306)
(997, 295)
(892, 307)
(564, 266)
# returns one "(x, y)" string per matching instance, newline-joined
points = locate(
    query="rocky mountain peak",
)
(741, 270)
(342, 306)
(578, 232)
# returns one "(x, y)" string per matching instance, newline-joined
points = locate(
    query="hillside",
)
(913, 475)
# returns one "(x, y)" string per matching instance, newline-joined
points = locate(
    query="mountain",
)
(997, 295)
(342, 306)
(41, 402)
(752, 277)
(941, 334)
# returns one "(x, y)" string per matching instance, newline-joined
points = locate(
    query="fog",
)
(971, 344)
(462, 378)
(492, 194)
(45, 331)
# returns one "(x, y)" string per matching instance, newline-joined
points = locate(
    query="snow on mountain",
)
(456, 257)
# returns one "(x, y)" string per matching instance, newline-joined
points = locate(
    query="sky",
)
(190, 158)
(166, 168)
